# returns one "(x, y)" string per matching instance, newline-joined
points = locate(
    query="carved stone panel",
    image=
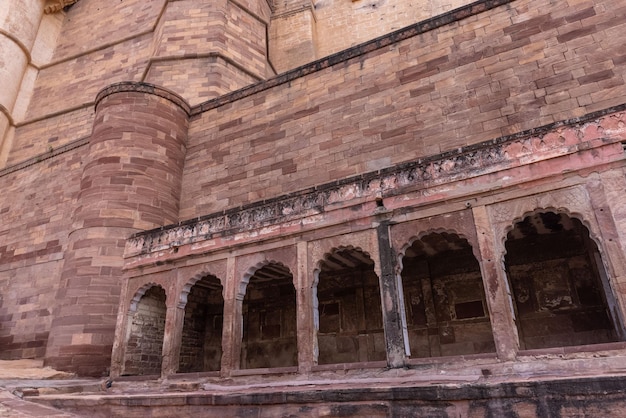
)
(53, 6)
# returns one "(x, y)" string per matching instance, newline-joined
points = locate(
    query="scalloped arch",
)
(318, 268)
(141, 292)
(316, 277)
(243, 284)
(184, 293)
(420, 235)
(561, 210)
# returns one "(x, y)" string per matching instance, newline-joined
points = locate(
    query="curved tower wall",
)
(200, 49)
(130, 182)
(19, 23)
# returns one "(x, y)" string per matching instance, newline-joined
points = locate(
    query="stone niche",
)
(269, 319)
(146, 325)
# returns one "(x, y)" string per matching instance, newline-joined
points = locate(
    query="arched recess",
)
(201, 342)
(347, 308)
(145, 331)
(269, 318)
(560, 288)
(444, 297)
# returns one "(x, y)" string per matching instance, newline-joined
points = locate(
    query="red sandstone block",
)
(230, 124)
(576, 33)
(502, 68)
(552, 80)
(616, 20)
(595, 77)
(580, 15)
(480, 81)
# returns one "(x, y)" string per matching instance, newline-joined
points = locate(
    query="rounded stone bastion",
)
(131, 181)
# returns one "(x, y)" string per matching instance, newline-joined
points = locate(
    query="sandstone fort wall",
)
(227, 132)
(36, 212)
(200, 51)
(516, 67)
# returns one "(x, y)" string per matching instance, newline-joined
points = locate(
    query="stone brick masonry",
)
(449, 194)
(452, 86)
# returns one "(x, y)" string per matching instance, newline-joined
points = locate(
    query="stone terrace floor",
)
(27, 389)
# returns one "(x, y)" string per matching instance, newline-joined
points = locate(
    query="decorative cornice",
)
(53, 6)
(463, 163)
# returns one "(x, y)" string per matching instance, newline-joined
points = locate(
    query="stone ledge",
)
(547, 395)
(46, 156)
(140, 87)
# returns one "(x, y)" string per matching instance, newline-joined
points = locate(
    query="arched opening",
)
(201, 344)
(146, 328)
(350, 322)
(444, 298)
(558, 283)
(269, 319)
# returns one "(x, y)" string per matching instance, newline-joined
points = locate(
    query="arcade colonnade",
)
(532, 274)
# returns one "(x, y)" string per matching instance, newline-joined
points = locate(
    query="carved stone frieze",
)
(459, 165)
(53, 6)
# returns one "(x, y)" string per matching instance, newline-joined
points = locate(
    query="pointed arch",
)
(184, 294)
(251, 271)
(145, 331)
(422, 234)
(202, 297)
(554, 209)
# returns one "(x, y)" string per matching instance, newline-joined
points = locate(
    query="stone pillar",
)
(390, 298)
(306, 323)
(231, 331)
(131, 182)
(496, 287)
(609, 208)
(172, 339)
(19, 23)
(609, 204)
(118, 351)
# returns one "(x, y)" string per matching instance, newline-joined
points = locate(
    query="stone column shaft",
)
(231, 332)
(306, 326)
(496, 288)
(174, 322)
(390, 298)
